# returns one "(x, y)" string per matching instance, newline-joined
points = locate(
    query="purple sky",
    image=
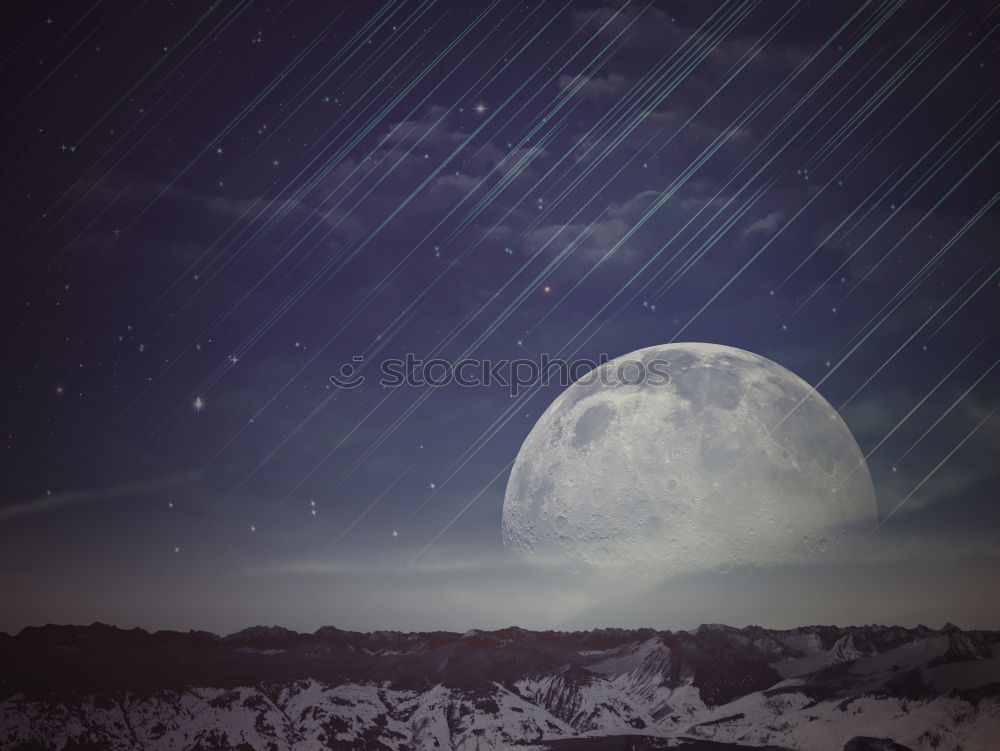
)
(211, 209)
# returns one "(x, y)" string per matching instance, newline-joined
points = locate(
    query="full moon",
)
(683, 458)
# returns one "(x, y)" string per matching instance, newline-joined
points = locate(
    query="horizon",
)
(947, 626)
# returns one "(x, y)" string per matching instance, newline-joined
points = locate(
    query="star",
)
(233, 359)
(432, 486)
(480, 108)
(198, 404)
(395, 533)
(253, 528)
(546, 289)
(177, 549)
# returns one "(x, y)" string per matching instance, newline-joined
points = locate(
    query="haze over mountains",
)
(817, 687)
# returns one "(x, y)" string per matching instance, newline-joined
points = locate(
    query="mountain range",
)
(822, 688)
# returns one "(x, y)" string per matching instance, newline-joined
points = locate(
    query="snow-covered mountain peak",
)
(816, 688)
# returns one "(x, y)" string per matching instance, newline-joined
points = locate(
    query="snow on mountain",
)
(586, 702)
(814, 688)
(849, 647)
(646, 671)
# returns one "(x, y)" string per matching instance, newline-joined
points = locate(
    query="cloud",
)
(459, 587)
(917, 486)
(767, 225)
(597, 89)
(430, 131)
(320, 568)
(53, 501)
(591, 242)
(448, 563)
(857, 544)
(644, 29)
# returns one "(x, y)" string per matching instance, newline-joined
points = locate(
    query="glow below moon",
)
(730, 461)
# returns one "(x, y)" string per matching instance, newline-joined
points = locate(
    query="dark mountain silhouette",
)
(862, 688)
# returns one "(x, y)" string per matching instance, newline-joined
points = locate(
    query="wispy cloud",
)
(767, 225)
(598, 88)
(54, 501)
(458, 564)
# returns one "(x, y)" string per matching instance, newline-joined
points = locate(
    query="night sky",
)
(210, 208)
